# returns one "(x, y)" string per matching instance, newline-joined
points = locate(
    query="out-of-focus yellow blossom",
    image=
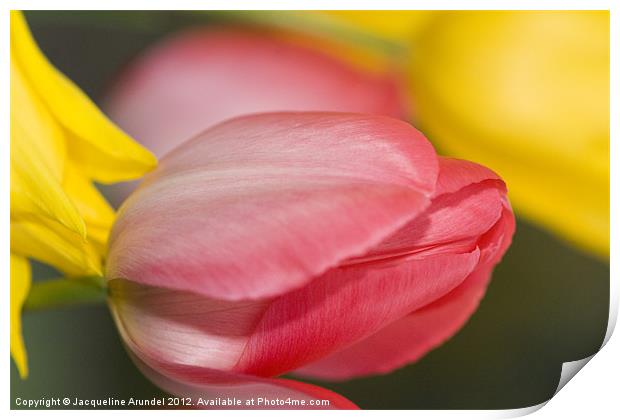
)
(398, 26)
(375, 40)
(60, 143)
(527, 94)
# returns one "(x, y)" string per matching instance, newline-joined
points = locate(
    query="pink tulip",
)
(328, 245)
(197, 78)
(200, 77)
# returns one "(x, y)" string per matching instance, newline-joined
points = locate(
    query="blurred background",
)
(526, 93)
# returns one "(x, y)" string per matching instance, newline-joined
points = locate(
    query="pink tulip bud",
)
(190, 81)
(326, 244)
(197, 78)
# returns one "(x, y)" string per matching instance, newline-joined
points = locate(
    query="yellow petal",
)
(395, 25)
(103, 151)
(94, 209)
(37, 160)
(573, 204)
(526, 93)
(45, 136)
(20, 284)
(55, 246)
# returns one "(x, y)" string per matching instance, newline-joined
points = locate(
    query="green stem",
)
(66, 292)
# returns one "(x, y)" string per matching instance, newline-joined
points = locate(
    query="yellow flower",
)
(60, 143)
(375, 40)
(398, 26)
(527, 94)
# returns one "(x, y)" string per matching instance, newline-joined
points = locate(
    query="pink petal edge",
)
(262, 204)
(411, 337)
(213, 386)
(346, 305)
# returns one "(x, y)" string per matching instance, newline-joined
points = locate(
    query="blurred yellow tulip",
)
(374, 40)
(398, 26)
(524, 92)
(527, 94)
(60, 143)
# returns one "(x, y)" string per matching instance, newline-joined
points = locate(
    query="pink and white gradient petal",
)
(261, 205)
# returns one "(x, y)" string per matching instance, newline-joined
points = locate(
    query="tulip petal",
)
(452, 219)
(20, 284)
(168, 94)
(467, 202)
(346, 305)
(183, 327)
(210, 385)
(102, 150)
(407, 339)
(367, 147)
(262, 204)
(185, 342)
(455, 174)
(414, 335)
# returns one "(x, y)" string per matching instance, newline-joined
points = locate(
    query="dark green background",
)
(547, 304)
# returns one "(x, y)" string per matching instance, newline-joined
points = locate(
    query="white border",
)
(593, 394)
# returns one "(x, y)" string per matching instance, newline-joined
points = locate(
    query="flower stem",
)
(66, 292)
